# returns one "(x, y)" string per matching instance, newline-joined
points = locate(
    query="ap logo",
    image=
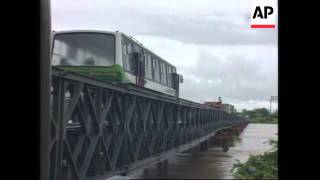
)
(263, 14)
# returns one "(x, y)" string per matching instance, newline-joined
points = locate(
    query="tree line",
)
(259, 115)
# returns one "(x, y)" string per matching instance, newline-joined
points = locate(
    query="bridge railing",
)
(99, 129)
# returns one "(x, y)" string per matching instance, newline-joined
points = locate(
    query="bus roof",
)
(83, 31)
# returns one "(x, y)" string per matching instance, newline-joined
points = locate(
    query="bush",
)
(260, 115)
(263, 166)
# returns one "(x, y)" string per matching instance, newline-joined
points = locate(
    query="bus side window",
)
(164, 73)
(169, 76)
(153, 68)
(131, 62)
(146, 64)
(173, 70)
(157, 70)
(124, 54)
(129, 54)
(161, 73)
(149, 73)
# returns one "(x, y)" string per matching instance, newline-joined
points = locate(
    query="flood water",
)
(214, 164)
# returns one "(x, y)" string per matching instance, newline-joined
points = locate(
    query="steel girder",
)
(100, 129)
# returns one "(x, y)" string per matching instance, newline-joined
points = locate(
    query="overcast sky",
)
(210, 42)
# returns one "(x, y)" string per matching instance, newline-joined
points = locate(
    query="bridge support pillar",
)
(225, 146)
(165, 165)
(162, 166)
(125, 173)
(204, 146)
(159, 167)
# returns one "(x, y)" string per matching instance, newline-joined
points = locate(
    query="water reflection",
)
(214, 164)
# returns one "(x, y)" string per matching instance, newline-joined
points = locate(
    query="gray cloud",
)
(211, 28)
(199, 30)
(236, 78)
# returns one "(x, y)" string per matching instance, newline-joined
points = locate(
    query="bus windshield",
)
(83, 49)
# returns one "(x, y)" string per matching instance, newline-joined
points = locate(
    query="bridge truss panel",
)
(100, 129)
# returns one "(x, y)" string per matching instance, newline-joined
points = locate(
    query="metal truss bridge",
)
(99, 129)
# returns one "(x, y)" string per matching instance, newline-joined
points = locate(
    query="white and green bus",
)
(113, 57)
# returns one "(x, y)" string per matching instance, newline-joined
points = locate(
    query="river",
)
(214, 164)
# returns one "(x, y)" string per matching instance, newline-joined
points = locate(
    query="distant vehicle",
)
(113, 57)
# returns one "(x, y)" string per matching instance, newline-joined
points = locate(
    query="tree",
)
(263, 166)
(259, 115)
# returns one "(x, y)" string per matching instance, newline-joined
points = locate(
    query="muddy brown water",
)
(213, 164)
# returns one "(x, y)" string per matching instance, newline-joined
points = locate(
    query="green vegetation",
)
(261, 115)
(263, 166)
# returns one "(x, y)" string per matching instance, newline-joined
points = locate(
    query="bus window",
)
(83, 49)
(149, 75)
(157, 70)
(146, 64)
(153, 68)
(169, 76)
(160, 72)
(124, 53)
(131, 63)
(163, 73)
(173, 70)
(128, 54)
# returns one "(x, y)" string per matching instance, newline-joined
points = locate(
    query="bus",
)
(113, 57)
